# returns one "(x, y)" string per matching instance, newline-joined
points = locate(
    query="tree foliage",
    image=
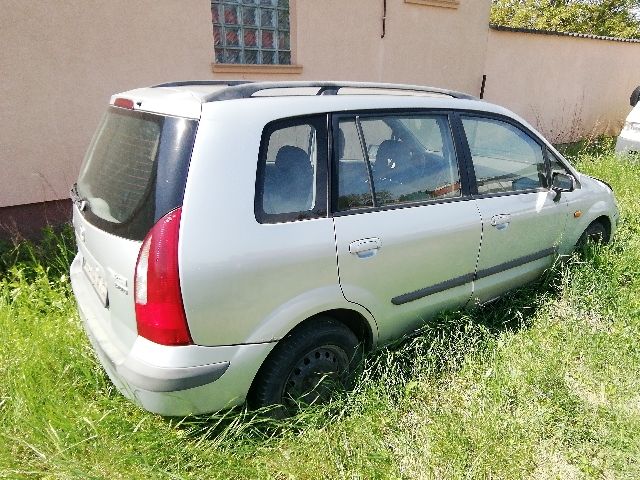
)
(613, 18)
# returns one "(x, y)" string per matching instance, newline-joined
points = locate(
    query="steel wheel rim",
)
(315, 376)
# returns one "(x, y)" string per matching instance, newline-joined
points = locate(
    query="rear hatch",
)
(133, 174)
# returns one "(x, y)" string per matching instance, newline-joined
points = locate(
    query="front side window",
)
(556, 165)
(253, 32)
(505, 159)
(288, 186)
(396, 159)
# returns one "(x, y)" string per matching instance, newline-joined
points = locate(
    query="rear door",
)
(522, 219)
(407, 235)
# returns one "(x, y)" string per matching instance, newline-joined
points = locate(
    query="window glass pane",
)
(268, 18)
(268, 57)
(504, 157)
(354, 190)
(230, 15)
(251, 57)
(215, 13)
(556, 164)
(267, 39)
(232, 37)
(283, 41)
(250, 37)
(219, 55)
(412, 160)
(217, 36)
(412, 157)
(258, 29)
(284, 58)
(290, 170)
(231, 56)
(249, 16)
(283, 19)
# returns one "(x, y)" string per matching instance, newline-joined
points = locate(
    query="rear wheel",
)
(306, 367)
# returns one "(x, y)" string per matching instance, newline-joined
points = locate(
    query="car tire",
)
(306, 367)
(596, 232)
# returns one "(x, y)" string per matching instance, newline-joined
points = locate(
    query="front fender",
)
(580, 224)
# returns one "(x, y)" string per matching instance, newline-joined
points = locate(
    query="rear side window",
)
(135, 170)
(395, 159)
(291, 180)
(505, 158)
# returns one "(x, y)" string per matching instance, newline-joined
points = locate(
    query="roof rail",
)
(241, 89)
(187, 83)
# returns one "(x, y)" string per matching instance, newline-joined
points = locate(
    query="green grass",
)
(544, 383)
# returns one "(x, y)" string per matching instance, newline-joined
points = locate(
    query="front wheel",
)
(596, 232)
(306, 367)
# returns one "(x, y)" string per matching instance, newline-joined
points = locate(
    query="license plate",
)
(96, 278)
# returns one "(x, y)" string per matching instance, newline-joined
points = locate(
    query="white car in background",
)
(629, 138)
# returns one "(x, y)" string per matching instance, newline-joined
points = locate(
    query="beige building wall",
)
(61, 60)
(567, 87)
(424, 43)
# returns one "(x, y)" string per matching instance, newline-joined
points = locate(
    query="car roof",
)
(186, 98)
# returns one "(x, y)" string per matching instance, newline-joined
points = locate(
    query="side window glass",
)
(354, 189)
(411, 162)
(505, 158)
(411, 159)
(555, 164)
(290, 163)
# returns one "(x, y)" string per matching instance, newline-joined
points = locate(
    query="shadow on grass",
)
(53, 252)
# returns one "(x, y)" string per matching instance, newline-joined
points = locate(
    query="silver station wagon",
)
(241, 241)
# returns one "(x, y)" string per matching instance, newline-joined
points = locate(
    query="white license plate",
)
(96, 278)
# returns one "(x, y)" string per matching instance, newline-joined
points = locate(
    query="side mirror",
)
(635, 97)
(562, 182)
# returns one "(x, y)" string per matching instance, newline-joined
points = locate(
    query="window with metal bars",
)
(254, 32)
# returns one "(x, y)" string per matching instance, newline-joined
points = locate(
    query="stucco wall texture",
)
(423, 44)
(567, 87)
(61, 61)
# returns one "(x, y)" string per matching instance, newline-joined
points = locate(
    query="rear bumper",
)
(172, 381)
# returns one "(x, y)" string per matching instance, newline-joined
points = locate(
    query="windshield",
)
(120, 173)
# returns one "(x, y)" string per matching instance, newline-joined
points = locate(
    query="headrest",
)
(290, 157)
(390, 154)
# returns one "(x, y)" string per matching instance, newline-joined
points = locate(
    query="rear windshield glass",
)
(135, 170)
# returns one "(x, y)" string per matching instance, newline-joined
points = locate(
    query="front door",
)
(522, 219)
(407, 236)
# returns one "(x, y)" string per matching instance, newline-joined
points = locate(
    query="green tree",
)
(613, 18)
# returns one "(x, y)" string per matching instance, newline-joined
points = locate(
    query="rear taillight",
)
(159, 309)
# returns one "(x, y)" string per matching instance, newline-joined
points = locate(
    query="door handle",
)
(501, 221)
(366, 247)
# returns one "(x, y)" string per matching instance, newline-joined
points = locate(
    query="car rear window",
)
(135, 170)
